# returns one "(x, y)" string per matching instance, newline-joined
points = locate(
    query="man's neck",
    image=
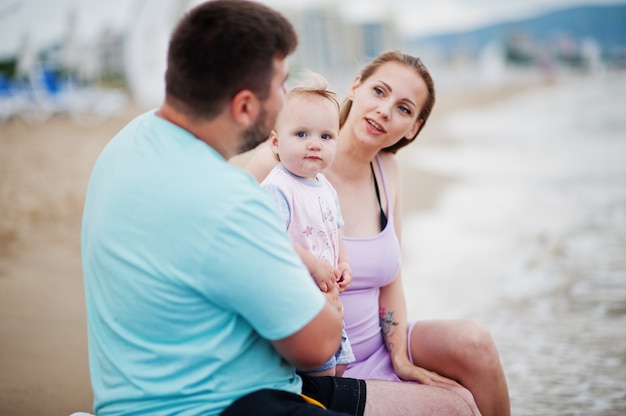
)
(211, 132)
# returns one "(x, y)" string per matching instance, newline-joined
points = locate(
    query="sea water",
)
(530, 240)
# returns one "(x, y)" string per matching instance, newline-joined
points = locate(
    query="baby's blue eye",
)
(326, 136)
(301, 134)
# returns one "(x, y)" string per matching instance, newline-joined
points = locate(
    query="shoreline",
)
(44, 169)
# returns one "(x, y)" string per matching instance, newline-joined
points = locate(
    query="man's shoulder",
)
(233, 184)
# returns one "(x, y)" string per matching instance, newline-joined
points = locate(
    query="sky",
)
(42, 21)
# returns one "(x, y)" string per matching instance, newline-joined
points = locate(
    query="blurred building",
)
(329, 44)
(335, 47)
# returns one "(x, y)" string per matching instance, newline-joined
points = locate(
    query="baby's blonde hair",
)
(313, 84)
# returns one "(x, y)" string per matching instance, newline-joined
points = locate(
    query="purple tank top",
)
(375, 262)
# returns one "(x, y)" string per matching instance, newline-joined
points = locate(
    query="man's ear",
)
(245, 108)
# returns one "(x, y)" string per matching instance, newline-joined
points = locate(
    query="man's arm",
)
(317, 341)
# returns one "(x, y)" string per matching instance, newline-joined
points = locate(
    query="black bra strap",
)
(383, 217)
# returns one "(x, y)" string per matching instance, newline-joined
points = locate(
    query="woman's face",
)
(385, 106)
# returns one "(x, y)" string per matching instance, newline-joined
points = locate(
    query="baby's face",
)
(307, 130)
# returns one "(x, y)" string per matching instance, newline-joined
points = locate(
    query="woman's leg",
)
(463, 351)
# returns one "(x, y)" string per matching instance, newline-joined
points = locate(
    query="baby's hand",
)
(343, 275)
(324, 275)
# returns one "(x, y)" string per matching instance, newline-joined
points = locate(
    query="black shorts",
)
(341, 396)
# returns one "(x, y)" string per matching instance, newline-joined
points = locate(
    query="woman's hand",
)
(410, 372)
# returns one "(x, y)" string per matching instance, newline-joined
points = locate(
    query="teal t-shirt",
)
(188, 274)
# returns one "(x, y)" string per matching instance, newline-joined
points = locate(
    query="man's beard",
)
(257, 133)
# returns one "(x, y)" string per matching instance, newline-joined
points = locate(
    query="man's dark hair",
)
(220, 48)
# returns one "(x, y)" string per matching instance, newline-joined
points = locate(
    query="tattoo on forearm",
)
(387, 323)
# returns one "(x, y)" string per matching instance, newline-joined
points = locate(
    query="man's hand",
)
(332, 297)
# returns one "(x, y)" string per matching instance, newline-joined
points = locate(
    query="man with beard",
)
(196, 300)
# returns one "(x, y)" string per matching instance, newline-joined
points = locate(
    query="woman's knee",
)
(476, 346)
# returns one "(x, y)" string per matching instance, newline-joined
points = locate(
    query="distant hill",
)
(605, 25)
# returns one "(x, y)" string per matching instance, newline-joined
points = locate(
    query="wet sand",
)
(44, 170)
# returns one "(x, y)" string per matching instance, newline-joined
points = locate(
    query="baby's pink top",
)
(310, 210)
(375, 262)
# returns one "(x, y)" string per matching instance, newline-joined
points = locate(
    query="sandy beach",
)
(44, 170)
